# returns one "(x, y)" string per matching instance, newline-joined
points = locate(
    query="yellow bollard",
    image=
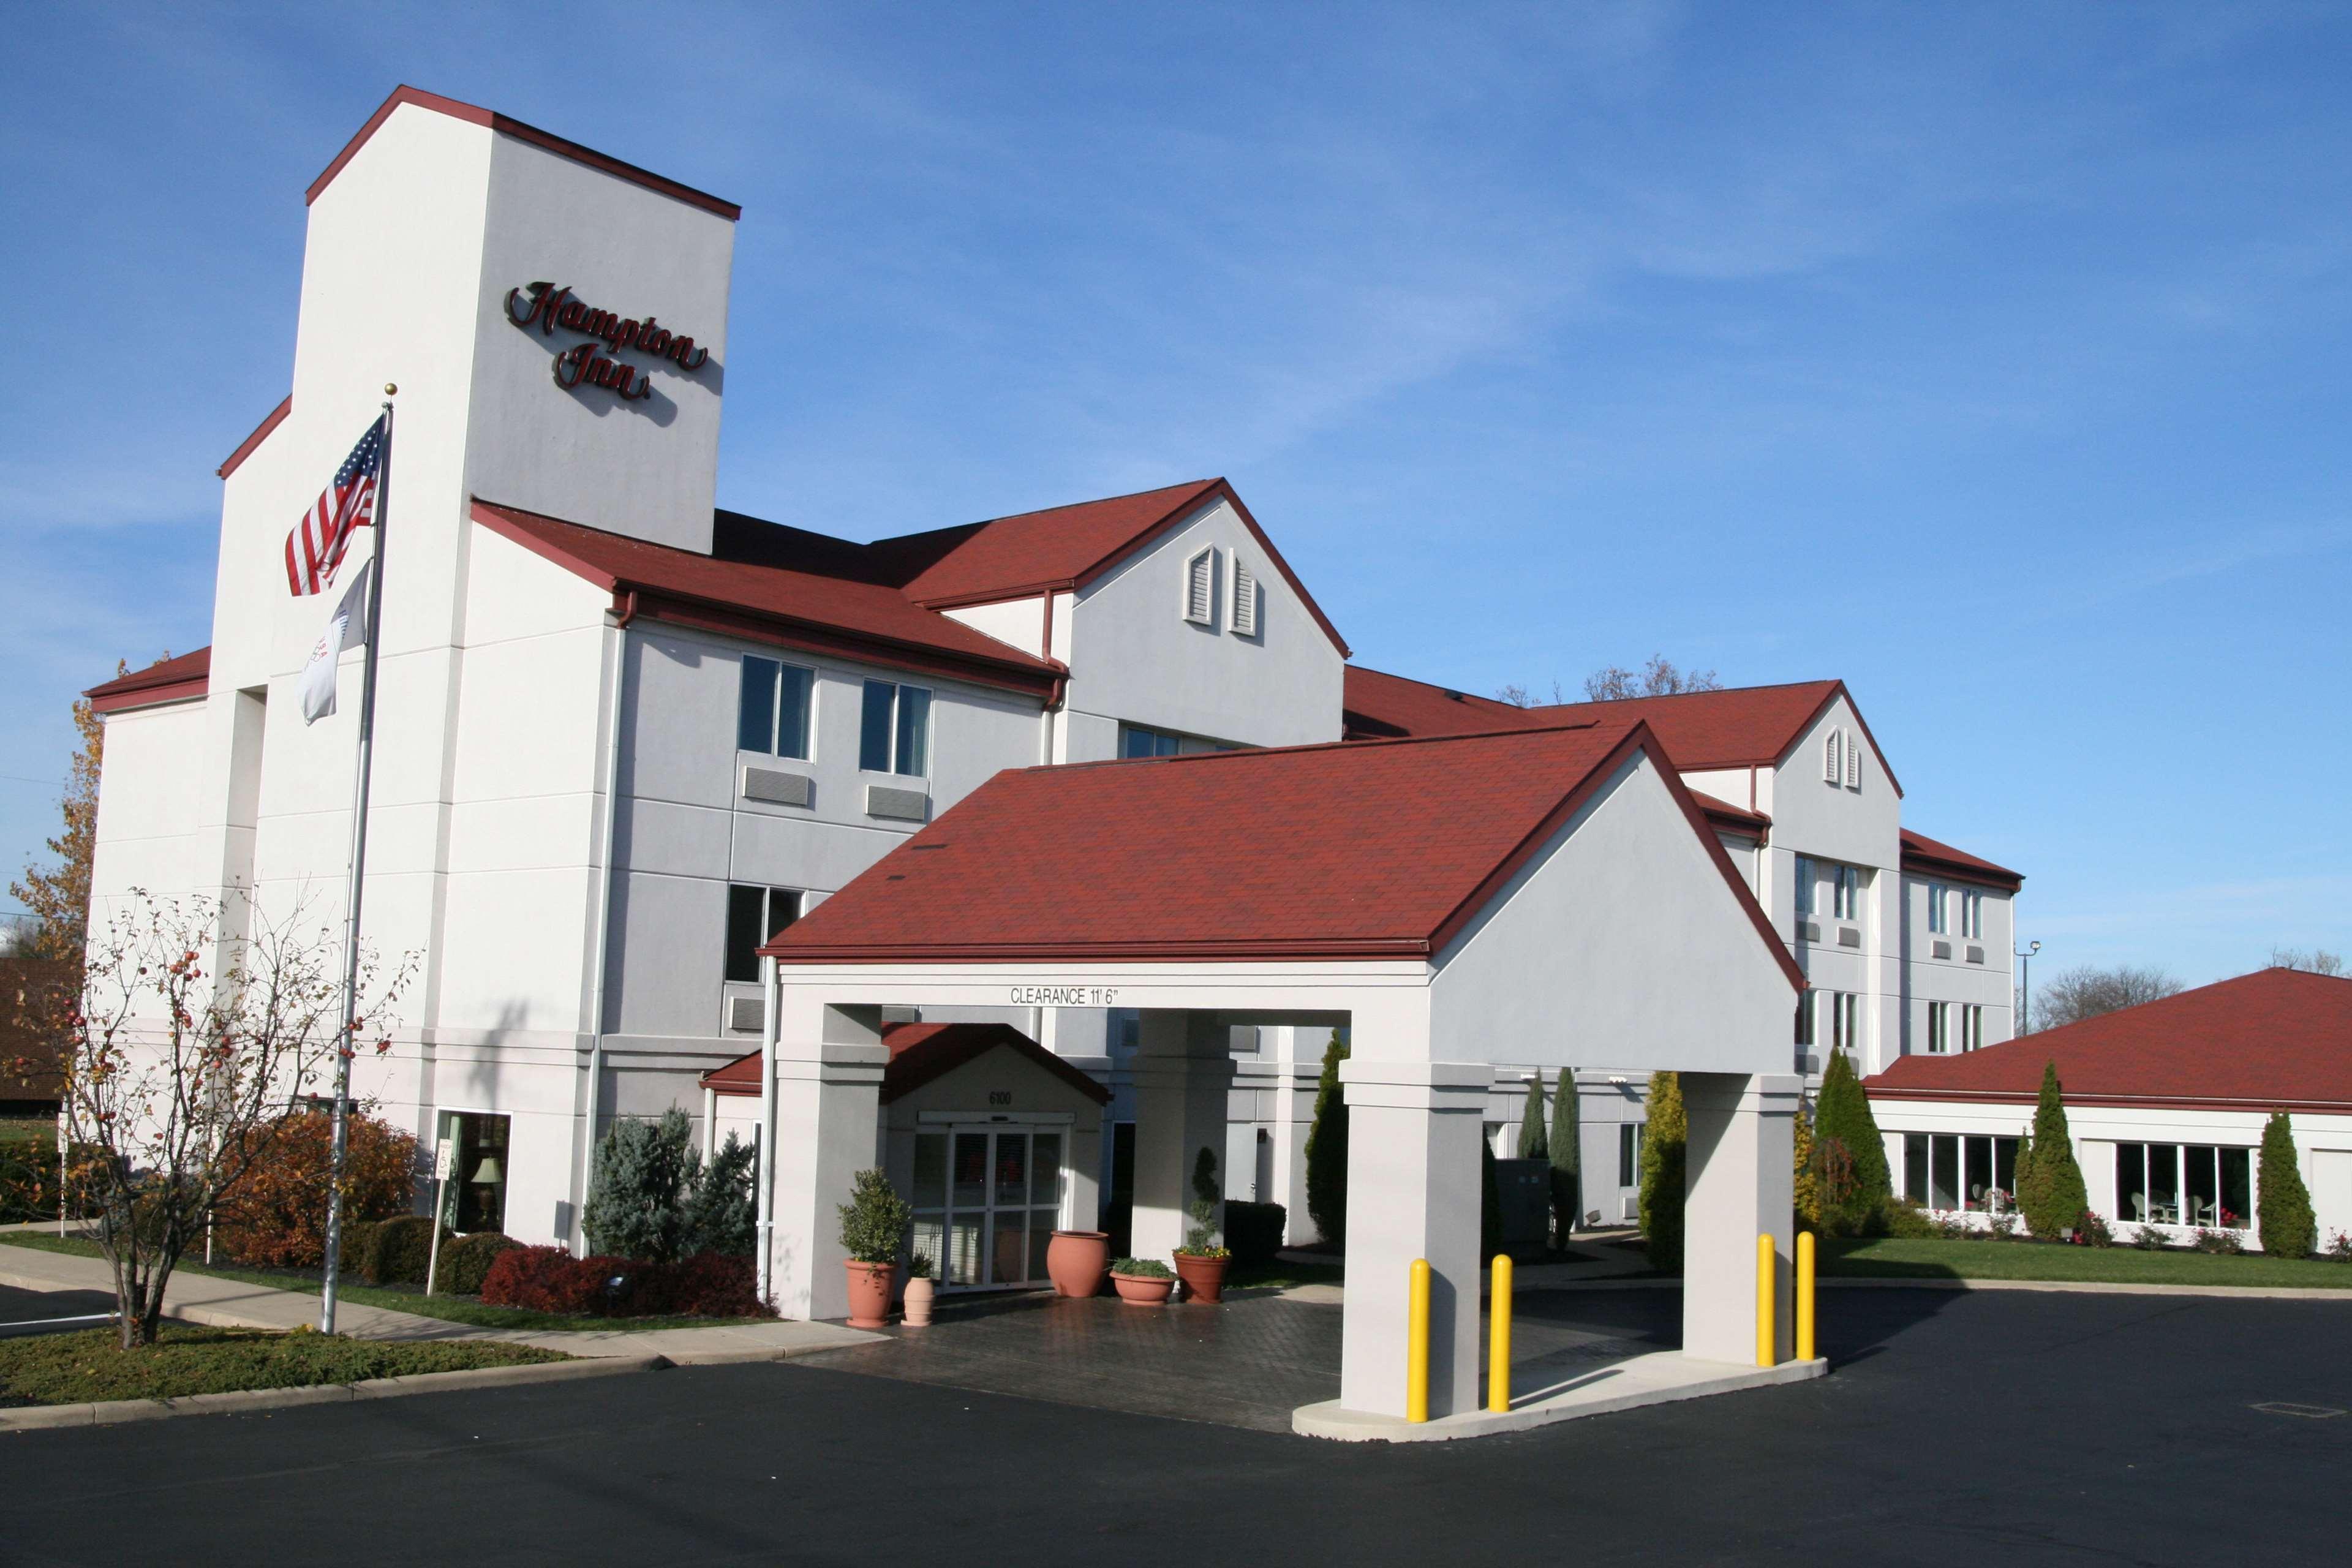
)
(1767, 1264)
(1499, 1339)
(1805, 1294)
(1416, 1342)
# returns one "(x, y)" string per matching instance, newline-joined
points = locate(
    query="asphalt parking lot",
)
(1958, 1429)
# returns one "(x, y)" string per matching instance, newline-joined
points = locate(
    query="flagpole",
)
(348, 1043)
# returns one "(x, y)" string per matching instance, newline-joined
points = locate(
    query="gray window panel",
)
(1976, 955)
(776, 786)
(746, 1013)
(913, 752)
(1849, 937)
(755, 710)
(874, 727)
(1940, 949)
(899, 805)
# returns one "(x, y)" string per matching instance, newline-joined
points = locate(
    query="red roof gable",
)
(1741, 726)
(1362, 850)
(1738, 818)
(1060, 549)
(2275, 1038)
(166, 681)
(1923, 854)
(818, 611)
(920, 1053)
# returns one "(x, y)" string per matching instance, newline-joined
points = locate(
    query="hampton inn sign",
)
(548, 306)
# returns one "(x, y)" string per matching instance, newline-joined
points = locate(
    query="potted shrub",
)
(1076, 1260)
(1142, 1281)
(1201, 1263)
(920, 1290)
(873, 1224)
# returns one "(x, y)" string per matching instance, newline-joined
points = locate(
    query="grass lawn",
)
(73, 1369)
(399, 1299)
(1281, 1274)
(1893, 1259)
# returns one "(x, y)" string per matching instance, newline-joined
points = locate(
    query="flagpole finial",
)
(389, 389)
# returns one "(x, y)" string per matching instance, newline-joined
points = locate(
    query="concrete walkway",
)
(232, 1303)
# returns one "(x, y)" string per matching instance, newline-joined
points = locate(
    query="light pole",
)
(2025, 957)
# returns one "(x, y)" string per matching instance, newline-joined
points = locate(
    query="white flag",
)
(347, 628)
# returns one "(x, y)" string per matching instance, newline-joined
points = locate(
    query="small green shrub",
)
(399, 1250)
(1906, 1219)
(1326, 1150)
(1663, 1153)
(2151, 1239)
(1143, 1268)
(2093, 1230)
(2339, 1249)
(2050, 1189)
(1253, 1231)
(1200, 1235)
(2222, 1242)
(359, 1240)
(2283, 1213)
(466, 1262)
(874, 1221)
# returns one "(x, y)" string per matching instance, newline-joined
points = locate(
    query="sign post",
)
(444, 1156)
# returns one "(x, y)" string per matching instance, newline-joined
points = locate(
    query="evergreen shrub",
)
(1327, 1151)
(1253, 1231)
(1535, 1144)
(636, 1201)
(1848, 1154)
(466, 1262)
(1565, 1147)
(399, 1250)
(1665, 1150)
(723, 1212)
(2050, 1190)
(2287, 1226)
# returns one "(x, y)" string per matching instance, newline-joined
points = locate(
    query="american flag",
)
(316, 546)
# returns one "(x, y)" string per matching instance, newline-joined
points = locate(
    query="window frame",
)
(1939, 917)
(1845, 1022)
(1807, 887)
(766, 917)
(894, 728)
(778, 672)
(1973, 914)
(1845, 890)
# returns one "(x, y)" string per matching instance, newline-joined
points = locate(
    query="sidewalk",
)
(232, 1303)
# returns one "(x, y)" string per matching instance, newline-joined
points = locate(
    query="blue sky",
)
(1991, 359)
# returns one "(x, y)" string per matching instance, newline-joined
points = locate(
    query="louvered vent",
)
(1244, 599)
(1853, 763)
(1831, 768)
(1200, 588)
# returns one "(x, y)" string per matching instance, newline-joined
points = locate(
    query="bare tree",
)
(178, 1079)
(2317, 960)
(2088, 990)
(1520, 696)
(1659, 677)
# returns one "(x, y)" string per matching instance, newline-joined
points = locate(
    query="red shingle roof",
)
(1935, 858)
(1363, 850)
(823, 611)
(2275, 1038)
(920, 1053)
(166, 681)
(1746, 726)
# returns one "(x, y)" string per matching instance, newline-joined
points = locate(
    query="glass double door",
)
(987, 1201)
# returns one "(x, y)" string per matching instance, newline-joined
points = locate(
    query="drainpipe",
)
(773, 994)
(604, 918)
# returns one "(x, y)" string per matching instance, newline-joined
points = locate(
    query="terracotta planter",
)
(1204, 1277)
(869, 1294)
(1076, 1260)
(919, 1294)
(1142, 1290)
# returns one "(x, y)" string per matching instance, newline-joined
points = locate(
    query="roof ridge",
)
(1321, 746)
(1059, 506)
(1710, 691)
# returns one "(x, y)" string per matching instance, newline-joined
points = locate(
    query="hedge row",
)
(549, 1279)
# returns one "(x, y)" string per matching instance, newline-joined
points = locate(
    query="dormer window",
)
(1200, 588)
(1244, 611)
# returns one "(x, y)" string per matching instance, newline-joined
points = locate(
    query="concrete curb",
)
(115, 1411)
(1332, 1420)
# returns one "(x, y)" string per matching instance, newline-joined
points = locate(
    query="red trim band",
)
(260, 432)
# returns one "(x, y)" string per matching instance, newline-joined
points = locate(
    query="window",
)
(1244, 616)
(1938, 1028)
(1805, 1017)
(1846, 888)
(772, 713)
(1972, 915)
(1628, 1153)
(1200, 589)
(1845, 1021)
(1972, 1027)
(753, 915)
(1961, 1170)
(2184, 1184)
(894, 732)
(479, 1173)
(1939, 919)
(1137, 741)
(1806, 876)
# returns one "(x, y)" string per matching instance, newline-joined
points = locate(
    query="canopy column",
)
(1184, 1071)
(1413, 1193)
(829, 1067)
(1740, 1183)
